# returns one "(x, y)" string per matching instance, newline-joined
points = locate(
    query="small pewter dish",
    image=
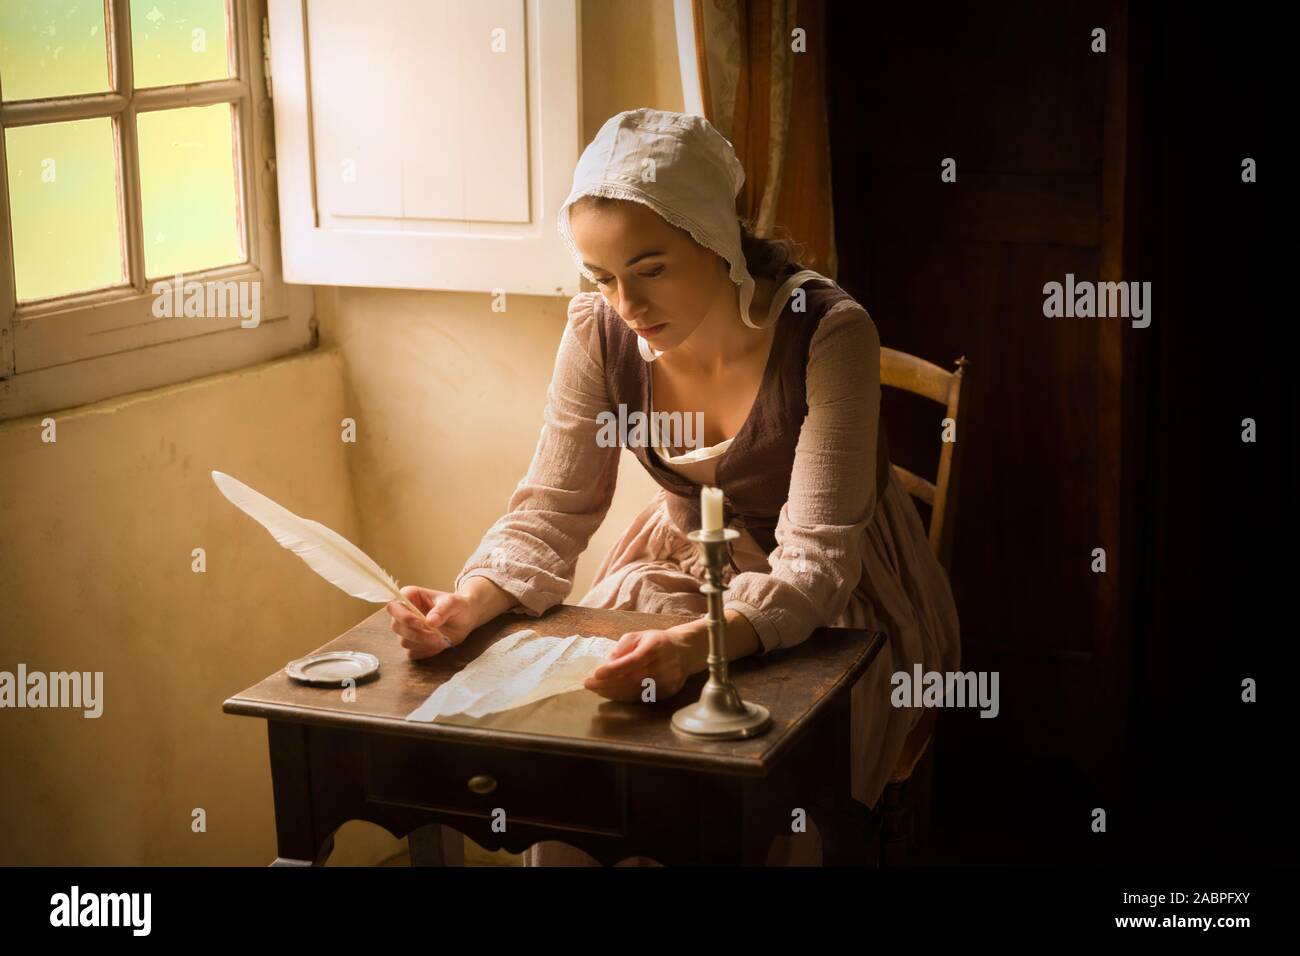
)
(332, 668)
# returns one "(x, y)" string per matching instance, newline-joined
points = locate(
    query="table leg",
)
(298, 836)
(436, 845)
(847, 827)
(734, 830)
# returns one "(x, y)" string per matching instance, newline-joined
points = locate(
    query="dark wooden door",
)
(1036, 123)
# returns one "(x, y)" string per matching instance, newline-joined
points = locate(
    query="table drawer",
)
(529, 786)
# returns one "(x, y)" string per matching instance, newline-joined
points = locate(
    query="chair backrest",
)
(916, 375)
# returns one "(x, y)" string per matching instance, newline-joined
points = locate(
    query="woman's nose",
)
(631, 307)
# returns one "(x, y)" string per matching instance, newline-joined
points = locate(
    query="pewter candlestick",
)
(719, 714)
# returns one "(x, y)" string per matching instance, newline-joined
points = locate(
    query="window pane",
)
(179, 41)
(188, 185)
(63, 199)
(52, 48)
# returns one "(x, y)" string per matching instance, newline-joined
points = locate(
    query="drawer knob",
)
(482, 783)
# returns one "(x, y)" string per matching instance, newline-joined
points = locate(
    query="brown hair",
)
(764, 257)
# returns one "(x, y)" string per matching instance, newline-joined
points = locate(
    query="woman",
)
(695, 315)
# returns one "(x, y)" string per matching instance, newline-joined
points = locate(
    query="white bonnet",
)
(680, 166)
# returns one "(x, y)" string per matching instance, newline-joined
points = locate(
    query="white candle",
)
(711, 507)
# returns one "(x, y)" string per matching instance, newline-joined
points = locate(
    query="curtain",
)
(762, 85)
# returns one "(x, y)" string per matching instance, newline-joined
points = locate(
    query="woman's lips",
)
(651, 331)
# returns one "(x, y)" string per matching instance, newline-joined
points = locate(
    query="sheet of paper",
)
(519, 669)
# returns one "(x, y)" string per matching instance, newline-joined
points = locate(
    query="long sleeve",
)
(817, 562)
(532, 550)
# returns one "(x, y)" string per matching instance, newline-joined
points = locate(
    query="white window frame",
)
(73, 349)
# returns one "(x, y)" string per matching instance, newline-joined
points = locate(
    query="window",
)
(138, 213)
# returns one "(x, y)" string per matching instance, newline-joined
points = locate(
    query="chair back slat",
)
(914, 374)
(915, 485)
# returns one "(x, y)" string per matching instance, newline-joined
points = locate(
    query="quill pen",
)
(326, 552)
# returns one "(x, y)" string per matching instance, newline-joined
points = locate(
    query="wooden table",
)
(611, 778)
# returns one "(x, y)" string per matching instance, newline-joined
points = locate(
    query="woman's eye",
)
(645, 275)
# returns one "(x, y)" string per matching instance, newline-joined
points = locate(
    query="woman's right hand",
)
(445, 612)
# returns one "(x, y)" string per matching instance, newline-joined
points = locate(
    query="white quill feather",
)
(326, 552)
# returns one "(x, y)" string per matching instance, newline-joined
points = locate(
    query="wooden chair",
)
(905, 801)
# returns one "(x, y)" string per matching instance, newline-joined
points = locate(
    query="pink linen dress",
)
(875, 566)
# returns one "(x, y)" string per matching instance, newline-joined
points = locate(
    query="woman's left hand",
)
(659, 655)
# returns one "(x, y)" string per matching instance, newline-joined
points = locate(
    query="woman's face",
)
(654, 275)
